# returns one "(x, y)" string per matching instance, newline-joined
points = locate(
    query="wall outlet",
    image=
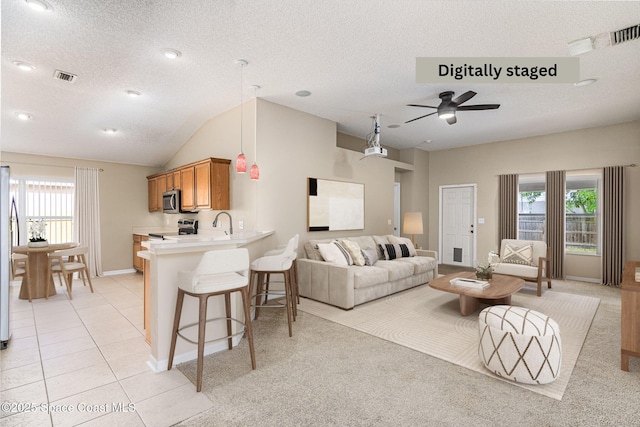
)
(166, 221)
(241, 225)
(388, 222)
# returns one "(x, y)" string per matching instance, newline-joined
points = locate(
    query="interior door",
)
(457, 214)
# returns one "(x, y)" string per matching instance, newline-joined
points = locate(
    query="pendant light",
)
(254, 172)
(241, 160)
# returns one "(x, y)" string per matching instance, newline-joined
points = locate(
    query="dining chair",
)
(20, 268)
(68, 261)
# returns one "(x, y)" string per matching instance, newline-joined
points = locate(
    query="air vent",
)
(625, 35)
(63, 75)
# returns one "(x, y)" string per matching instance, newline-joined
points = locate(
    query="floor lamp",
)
(412, 225)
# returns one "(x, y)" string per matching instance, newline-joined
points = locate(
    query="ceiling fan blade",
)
(421, 117)
(464, 97)
(479, 107)
(452, 120)
(417, 105)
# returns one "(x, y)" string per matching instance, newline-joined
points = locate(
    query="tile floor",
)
(83, 361)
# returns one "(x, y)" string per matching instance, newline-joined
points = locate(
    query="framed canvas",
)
(334, 205)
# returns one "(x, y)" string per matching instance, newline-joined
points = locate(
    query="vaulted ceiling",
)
(356, 57)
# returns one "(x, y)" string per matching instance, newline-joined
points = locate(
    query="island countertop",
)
(163, 260)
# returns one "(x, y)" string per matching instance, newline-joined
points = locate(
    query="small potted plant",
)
(37, 230)
(485, 271)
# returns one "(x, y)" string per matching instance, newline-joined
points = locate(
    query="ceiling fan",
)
(448, 107)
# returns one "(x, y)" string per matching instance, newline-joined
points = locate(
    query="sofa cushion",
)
(365, 242)
(370, 276)
(516, 270)
(391, 251)
(311, 250)
(380, 240)
(354, 251)
(335, 253)
(521, 253)
(421, 264)
(397, 269)
(370, 256)
(404, 240)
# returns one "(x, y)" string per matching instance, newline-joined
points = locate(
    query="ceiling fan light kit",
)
(448, 107)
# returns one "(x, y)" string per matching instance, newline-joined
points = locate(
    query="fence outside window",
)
(581, 231)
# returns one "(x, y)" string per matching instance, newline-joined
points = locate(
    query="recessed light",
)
(39, 5)
(24, 116)
(24, 66)
(303, 93)
(585, 82)
(393, 126)
(110, 131)
(132, 93)
(171, 53)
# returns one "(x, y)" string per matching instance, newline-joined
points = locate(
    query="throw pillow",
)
(354, 251)
(391, 251)
(335, 253)
(406, 241)
(518, 254)
(370, 256)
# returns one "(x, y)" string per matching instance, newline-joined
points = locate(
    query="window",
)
(582, 212)
(531, 207)
(51, 200)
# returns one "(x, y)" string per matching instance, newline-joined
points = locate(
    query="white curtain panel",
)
(87, 216)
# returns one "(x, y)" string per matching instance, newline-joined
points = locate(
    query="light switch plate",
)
(241, 225)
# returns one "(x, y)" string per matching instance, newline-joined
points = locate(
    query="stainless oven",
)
(171, 201)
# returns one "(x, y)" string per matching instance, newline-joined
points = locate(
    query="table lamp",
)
(412, 224)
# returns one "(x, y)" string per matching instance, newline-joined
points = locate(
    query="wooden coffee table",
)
(498, 292)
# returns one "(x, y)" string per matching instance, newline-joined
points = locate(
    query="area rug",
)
(429, 321)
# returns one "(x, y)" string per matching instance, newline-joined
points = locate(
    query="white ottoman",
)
(520, 344)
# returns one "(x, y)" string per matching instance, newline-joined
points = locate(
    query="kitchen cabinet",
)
(138, 263)
(173, 180)
(152, 191)
(204, 185)
(630, 311)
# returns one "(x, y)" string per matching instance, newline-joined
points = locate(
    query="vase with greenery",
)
(37, 231)
(484, 271)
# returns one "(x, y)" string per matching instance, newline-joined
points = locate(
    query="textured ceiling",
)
(357, 57)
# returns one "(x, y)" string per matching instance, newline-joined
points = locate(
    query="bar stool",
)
(219, 272)
(294, 273)
(20, 268)
(280, 263)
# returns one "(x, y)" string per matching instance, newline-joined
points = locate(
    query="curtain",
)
(87, 217)
(555, 227)
(508, 207)
(612, 225)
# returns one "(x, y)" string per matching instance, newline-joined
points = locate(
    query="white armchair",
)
(529, 260)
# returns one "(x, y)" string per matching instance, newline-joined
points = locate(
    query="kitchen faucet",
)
(215, 221)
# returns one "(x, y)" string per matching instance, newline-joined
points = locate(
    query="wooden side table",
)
(630, 325)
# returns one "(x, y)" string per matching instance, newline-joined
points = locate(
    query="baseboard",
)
(116, 272)
(583, 279)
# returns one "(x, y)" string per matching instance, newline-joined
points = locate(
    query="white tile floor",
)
(83, 361)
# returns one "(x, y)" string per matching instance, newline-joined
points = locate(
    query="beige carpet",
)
(429, 321)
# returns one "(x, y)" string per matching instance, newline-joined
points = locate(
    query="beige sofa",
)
(346, 286)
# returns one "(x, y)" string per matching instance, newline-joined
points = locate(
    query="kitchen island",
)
(163, 260)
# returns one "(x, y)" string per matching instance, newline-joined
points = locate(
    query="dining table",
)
(41, 279)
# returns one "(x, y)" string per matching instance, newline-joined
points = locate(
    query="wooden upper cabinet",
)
(188, 187)
(152, 191)
(204, 185)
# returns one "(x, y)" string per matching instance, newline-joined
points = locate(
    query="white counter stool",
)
(65, 262)
(20, 268)
(267, 265)
(220, 272)
(294, 273)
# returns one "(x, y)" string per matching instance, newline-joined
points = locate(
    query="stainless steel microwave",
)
(171, 201)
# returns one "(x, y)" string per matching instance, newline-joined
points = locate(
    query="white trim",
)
(475, 218)
(116, 272)
(583, 279)
(158, 366)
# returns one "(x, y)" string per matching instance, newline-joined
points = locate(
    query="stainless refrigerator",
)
(5, 256)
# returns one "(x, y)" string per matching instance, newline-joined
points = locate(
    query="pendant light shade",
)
(241, 163)
(254, 173)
